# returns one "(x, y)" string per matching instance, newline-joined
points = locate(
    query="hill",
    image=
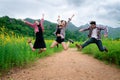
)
(20, 28)
(113, 33)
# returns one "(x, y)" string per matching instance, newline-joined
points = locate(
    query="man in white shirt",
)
(94, 35)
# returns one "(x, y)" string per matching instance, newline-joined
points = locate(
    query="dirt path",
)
(68, 65)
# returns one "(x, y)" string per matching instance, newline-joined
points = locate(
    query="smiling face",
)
(62, 23)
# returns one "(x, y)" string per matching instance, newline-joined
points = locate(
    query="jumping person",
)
(60, 33)
(95, 36)
(38, 29)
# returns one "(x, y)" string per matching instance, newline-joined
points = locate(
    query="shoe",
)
(29, 41)
(79, 46)
(106, 50)
(71, 41)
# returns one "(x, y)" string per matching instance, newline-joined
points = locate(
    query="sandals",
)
(29, 41)
(79, 46)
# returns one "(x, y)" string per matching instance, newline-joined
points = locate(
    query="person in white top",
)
(94, 35)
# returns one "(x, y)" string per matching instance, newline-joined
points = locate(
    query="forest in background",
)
(19, 28)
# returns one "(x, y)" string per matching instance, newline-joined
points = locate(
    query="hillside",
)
(16, 26)
(113, 33)
(71, 27)
(20, 28)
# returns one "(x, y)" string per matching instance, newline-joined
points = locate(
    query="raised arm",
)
(84, 29)
(41, 22)
(105, 30)
(69, 19)
(28, 23)
(58, 20)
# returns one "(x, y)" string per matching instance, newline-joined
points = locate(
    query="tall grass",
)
(112, 56)
(15, 51)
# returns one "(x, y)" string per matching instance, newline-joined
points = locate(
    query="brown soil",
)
(67, 65)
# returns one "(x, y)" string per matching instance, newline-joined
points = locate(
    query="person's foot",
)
(106, 50)
(71, 41)
(79, 46)
(57, 45)
(29, 40)
(40, 51)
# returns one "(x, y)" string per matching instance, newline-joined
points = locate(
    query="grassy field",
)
(113, 56)
(15, 51)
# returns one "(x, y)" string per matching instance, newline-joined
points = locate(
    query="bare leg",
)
(64, 45)
(54, 44)
(31, 46)
(68, 43)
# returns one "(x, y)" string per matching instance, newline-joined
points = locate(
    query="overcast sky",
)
(106, 12)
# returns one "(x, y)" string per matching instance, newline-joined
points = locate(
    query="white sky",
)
(106, 12)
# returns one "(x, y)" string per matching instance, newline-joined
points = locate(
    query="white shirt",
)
(94, 33)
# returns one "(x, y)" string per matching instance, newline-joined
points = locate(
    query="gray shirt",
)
(62, 33)
(99, 28)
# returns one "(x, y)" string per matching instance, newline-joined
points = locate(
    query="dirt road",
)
(67, 65)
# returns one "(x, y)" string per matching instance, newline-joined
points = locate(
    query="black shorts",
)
(59, 40)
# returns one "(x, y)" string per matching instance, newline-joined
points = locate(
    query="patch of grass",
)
(113, 56)
(15, 51)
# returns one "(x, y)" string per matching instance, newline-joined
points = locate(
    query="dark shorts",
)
(59, 40)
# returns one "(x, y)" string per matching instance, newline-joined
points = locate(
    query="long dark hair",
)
(65, 22)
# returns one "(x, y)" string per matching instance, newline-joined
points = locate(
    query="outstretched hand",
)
(81, 30)
(23, 20)
(72, 16)
(58, 16)
(43, 15)
(69, 19)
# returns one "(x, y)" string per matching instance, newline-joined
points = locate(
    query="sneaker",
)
(71, 41)
(29, 40)
(79, 46)
(106, 50)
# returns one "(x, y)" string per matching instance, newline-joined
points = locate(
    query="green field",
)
(15, 51)
(113, 56)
